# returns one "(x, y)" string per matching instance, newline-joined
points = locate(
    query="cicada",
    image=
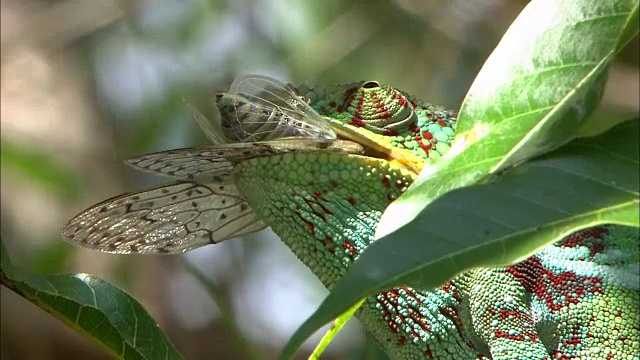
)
(259, 108)
(257, 117)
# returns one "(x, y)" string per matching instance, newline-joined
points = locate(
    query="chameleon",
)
(319, 165)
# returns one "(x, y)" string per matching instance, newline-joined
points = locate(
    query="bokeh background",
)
(87, 84)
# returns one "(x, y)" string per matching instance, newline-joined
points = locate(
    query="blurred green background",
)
(87, 84)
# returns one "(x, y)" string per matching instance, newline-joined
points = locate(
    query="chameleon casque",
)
(319, 165)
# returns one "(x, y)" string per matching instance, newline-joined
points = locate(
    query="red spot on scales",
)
(402, 101)
(399, 183)
(357, 122)
(348, 94)
(577, 238)
(451, 313)
(352, 201)
(402, 341)
(386, 182)
(389, 132)
(357, 115)
(590, 238)
(427, 135)
(505, 313)
(450, 289)
(500, 334)
(425, 147)
(347, 246)
(549, 287)
(574, 340)
(380, 106)
(442, 123)
(317, 194)
(391, 301)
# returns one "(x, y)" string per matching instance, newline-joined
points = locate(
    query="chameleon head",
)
(385, 119)
(388, 122)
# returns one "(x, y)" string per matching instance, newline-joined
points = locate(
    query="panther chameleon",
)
(319, 165)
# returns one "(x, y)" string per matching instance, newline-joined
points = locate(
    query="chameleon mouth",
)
(378, 148)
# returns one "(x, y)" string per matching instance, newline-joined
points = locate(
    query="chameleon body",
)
(576, 299)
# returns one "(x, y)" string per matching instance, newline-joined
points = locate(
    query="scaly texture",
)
(577, 299)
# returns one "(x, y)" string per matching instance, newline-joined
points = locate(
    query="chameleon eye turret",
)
(378, 108)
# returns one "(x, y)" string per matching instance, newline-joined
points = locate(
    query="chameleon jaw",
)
(377, 146)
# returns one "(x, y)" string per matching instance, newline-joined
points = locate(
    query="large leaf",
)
(110, 317)
(585, 183)
(533, 94)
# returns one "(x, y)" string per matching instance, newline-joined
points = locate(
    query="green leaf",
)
(589, 182)
(340, 322)
(109, 316)
(533, 94)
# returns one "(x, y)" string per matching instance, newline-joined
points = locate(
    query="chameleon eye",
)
(371, 85)
(379, 108)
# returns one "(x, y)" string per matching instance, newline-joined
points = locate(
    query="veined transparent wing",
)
(213, 133)
(164, 220)
(213, 164)
(259, 108)
(207, 164)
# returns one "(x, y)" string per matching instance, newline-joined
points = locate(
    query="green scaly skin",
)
(577, 299)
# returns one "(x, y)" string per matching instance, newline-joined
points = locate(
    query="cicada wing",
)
(214, 164)
(266, 109)
(210, 127)
(207, 164)
(164, 220)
